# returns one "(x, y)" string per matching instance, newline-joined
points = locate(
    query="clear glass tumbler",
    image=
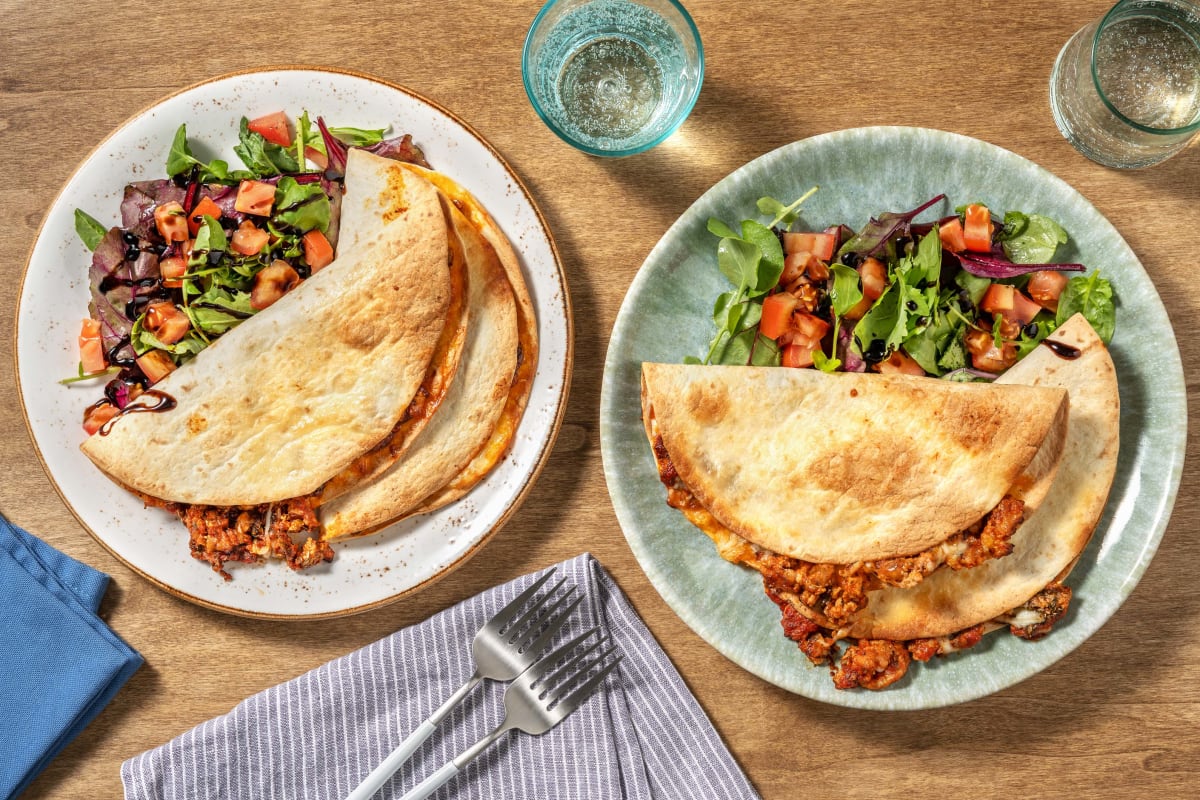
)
(1125, 90)
(613, 77)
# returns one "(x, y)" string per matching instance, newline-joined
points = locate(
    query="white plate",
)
(54, 296)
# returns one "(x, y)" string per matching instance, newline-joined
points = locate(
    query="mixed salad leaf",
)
(962, 298)
(208, 246)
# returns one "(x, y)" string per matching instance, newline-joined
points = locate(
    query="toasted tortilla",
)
(846, 467)
(1048, 544)
(284, 402)
(434, 388)
(505, 429)
(469, 413)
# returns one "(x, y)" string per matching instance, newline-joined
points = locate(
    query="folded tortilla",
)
(285, 402)
(1050, 541)
(469, 413)
(504, 431)
(847, 467)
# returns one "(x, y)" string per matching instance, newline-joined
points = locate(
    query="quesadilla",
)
(831, 485)
(1050, 541)
(1024, 592)
(500, 442)
(468, 415)
(326, 387)
(1063, 490)
(476, 426)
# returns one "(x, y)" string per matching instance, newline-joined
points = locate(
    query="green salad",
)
(963, 297)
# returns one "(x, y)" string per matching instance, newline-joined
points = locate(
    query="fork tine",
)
(547, 662)
(528, 623)
(509, 611)
(553, 627)
(528, 614)
(568, 704)
(556, 680)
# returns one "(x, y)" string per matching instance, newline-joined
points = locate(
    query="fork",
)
(540, 698)
(502, 649)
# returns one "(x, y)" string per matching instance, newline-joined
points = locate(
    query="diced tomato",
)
(796, 265)
(171, 222)
(272, 283)
(205, 208)
(985, 355)
(820, 245)
(951, 234)
(155, 365)
(818, 270)
(318, 253)
(172, 269)
(166, 322)
(90, 328)
(776, 314)
(248, 239)
(1024, 309)
(1046, 286)
(998, 299)
(809, 326)
(858, 310)
(799, 354)
(874, 278)
(317, 157)
(255, 197)
(899, 363)
(977, 229)
(95, 416)
(91, 348)
(1017, 310)
(272, 127)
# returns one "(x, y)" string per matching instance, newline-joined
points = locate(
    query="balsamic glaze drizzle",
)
(162, 402)
(1062, 350)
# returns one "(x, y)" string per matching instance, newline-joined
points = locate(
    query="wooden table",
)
(1117, 718)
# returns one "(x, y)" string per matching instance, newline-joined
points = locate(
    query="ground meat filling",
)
(839, 591)
(221, 534)
(878, 663)
(1034, 619)
(925, 649)
(816, 643)
(871, 664)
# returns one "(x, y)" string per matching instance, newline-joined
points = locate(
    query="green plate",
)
(667, 315)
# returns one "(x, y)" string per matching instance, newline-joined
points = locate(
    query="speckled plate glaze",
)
(667, 315)
(365, 573)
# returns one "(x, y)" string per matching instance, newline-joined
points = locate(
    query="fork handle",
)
(432, 783)
(380, 775)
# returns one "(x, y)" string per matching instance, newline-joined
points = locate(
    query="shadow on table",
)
(730, 125)
(1120, 669)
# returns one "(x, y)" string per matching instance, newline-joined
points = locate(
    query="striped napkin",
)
(319, 735)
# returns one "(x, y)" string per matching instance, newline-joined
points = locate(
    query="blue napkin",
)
(59, 663)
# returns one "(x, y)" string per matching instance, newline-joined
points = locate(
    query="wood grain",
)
(1118, 718)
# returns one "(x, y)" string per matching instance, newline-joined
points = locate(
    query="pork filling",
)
(838, 592)
(288, 530)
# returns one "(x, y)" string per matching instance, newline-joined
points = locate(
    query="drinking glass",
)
(613, 77)
(1125, 90)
